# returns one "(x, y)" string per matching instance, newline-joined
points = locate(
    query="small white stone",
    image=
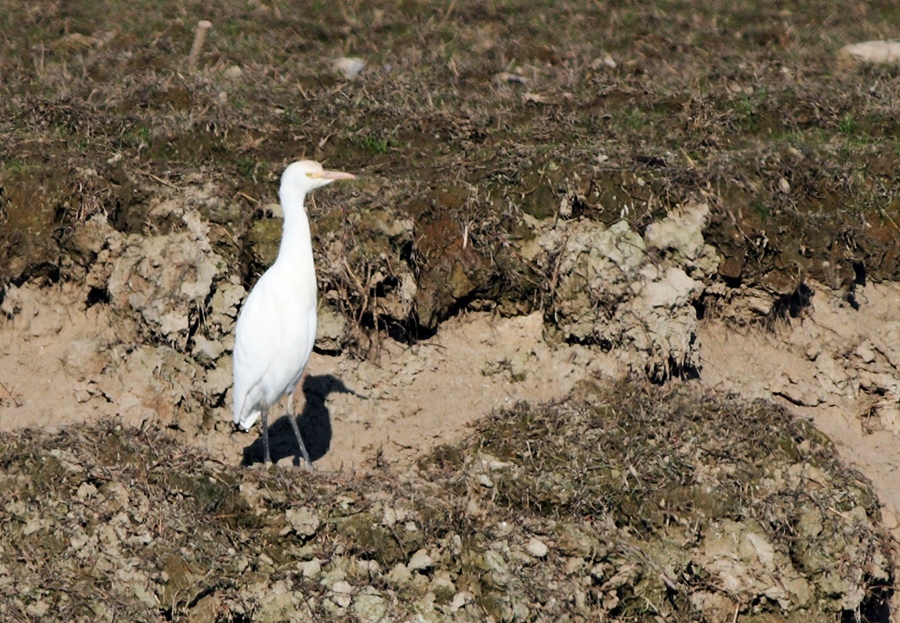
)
(574, 565)
(369, 606)
(872, 51)
(536, 548)
(503, 528)
(31, 527)
(342, 587)
(399, 575)
(233, 73)
(304, 520)
(866, 352)
(603, 61)
(310, 568)
(350, 66)
(420, 561)
(264, 560)
(86, 490)
(495, 465)
(368, 567)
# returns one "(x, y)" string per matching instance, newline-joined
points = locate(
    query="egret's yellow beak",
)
(333, 175)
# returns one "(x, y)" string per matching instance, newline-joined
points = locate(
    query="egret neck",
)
(295, 251)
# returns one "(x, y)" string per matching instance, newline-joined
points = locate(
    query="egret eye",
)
(309, 174)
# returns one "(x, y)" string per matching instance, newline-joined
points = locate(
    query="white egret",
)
(277, 324)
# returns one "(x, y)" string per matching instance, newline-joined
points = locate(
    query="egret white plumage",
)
(276, 327)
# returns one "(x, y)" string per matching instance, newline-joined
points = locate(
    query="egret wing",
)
(274, 337)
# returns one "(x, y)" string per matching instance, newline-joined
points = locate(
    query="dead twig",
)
(6, 389)
(158, 179)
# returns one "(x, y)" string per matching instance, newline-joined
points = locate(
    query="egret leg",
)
(293, 420)
(267, 458)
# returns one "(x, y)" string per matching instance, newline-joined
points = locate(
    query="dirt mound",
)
(636, 295)
(619, 502)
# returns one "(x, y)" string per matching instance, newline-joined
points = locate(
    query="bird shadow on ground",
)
(314, 422)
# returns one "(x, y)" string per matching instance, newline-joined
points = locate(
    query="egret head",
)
(306, 175)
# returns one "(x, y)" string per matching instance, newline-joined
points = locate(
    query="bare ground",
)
(830, 365)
